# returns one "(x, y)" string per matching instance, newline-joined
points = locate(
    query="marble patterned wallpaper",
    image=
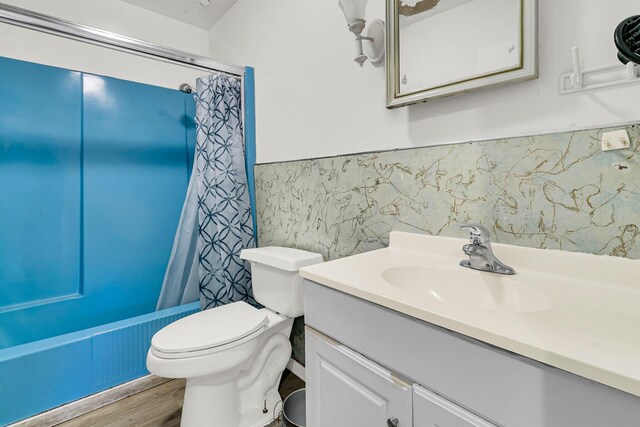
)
(556, 191)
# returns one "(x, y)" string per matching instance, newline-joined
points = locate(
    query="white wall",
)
(313, 101)
(111, 15)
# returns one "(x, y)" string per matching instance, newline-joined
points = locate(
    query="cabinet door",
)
(344, 389)
(431, 410)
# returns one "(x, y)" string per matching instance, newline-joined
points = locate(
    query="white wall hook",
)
(576, 77)
(596, 78)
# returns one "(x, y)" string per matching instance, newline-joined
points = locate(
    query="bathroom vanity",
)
(404, 337)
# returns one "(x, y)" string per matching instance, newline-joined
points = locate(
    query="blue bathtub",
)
(41, 375)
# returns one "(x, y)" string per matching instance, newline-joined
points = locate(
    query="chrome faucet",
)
(481, 255)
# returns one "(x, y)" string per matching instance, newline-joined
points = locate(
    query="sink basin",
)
(577, 312)
(468, 288)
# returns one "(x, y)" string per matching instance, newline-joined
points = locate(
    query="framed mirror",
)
(439, 48)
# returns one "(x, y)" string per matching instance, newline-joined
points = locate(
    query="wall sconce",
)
(354, 14)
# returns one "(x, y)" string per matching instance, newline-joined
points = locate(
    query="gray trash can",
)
(294, 411)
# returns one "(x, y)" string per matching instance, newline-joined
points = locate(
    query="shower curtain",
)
(216, 223)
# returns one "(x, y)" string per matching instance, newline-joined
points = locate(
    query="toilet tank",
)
(275, 279)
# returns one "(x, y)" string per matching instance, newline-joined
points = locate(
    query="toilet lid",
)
(210, 328)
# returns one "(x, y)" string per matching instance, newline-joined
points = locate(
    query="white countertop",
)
(591, 328)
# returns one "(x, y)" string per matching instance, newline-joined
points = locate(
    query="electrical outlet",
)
(615, 140)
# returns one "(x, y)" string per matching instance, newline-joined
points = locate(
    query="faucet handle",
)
(478, 234)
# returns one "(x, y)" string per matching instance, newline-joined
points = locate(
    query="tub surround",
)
(555, 191)
(90, 203)
(86, 188)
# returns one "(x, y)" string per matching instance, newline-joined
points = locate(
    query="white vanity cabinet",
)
(368, 365)
(346, 389)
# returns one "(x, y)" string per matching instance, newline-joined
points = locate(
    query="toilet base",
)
(202, 403)
(198, 410)
(256, 418)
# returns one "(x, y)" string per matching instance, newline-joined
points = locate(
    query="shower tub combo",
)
(94, 173)
(89, 207)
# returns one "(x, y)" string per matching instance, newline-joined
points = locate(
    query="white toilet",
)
(233, 356)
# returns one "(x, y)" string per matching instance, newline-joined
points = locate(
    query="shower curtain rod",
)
(48, 24)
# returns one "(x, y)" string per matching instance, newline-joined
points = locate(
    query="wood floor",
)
(160, 406)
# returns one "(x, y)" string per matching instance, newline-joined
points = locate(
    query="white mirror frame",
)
(528, 70)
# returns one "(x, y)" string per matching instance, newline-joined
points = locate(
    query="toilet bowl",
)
(233, 356)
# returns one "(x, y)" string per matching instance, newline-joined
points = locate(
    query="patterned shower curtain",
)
(224, 211)
(216, 222)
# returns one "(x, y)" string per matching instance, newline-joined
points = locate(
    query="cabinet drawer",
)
(431, 410)
(344, 389)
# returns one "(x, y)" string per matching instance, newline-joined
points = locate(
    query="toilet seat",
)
(209, 331)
